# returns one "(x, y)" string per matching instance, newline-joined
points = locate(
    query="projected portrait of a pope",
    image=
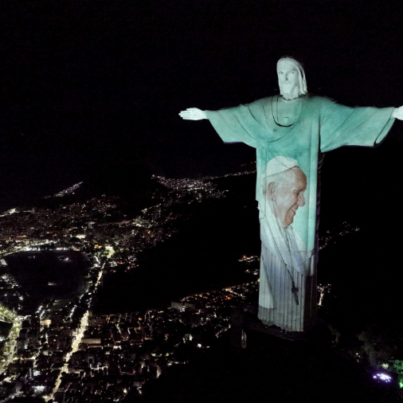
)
(284, 259)
(290, 133)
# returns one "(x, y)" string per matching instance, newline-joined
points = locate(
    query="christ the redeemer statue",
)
(290, 132)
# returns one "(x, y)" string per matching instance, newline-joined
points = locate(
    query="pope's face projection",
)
(287, 78)
(287, 194)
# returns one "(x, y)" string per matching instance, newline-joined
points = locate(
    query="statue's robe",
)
(287, 294)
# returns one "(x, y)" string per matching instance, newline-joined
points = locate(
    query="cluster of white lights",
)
(383, 377)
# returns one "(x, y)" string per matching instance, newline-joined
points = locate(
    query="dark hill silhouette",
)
(129, 181)
(269, 369)
(203, 255)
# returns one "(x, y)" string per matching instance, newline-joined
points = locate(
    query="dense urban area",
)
(64, 352)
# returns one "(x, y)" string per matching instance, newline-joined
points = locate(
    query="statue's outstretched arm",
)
(193, 114)
(398, 113)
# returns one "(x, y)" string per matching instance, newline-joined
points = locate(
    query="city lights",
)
(64, 344)
(383, 377)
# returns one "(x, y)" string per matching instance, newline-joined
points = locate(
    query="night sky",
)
(89, 84)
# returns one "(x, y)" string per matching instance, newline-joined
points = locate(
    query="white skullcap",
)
(280, 164)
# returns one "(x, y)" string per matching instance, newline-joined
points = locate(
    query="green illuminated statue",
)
(290, 132)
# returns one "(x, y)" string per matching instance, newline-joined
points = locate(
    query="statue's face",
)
(288, 196)
(287, 79)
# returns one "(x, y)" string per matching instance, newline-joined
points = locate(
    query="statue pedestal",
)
(245, 325)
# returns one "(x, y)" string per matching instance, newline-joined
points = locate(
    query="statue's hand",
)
(193, 114)
(398, 113)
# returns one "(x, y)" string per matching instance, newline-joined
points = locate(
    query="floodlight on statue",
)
(290, 132)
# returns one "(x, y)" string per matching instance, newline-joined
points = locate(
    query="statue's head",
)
(291, 78)
(284, 187)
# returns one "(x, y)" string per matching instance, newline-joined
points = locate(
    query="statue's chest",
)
(286, 114)
(291, 126)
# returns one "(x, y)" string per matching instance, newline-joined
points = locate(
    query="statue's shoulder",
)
(261, 103)
(317, 99)
(318, 103)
